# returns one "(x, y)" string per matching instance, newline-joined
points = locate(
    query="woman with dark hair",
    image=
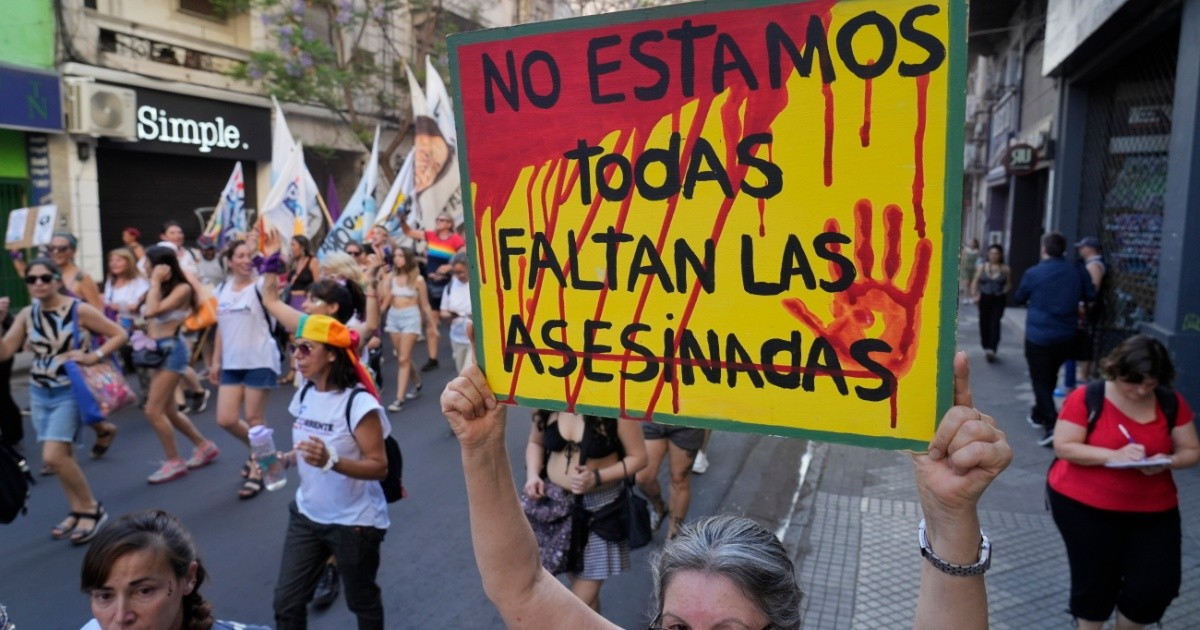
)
(1111, 491)
(302, 271)
(340, 508)
(143, 571)
(245, 361)
(58, 329)
(727, 569)
(77, 283)
(588, 456)
(407, 299)
(169, 301)
(989, 289)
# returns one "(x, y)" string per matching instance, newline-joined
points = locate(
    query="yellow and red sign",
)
(739, 216)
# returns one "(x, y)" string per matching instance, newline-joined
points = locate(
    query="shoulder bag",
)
(99, 389)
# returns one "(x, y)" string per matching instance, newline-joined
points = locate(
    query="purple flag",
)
(331, 200)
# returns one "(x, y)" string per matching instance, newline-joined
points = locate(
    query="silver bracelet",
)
(949, 568)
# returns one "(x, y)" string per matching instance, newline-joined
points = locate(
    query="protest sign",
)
(30, 227)
(731, 215)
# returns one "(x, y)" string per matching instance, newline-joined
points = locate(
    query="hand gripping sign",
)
(737, 215)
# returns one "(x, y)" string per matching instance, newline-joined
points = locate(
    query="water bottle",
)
(262, 449)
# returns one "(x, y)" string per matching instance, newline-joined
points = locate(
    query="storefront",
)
(185, 150)
(1129, 162)
(30, 107)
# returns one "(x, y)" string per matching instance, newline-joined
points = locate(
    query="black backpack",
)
(393, 483)
(14, 484)
(1093, 399)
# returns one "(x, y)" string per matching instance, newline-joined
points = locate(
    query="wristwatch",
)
(963, 570)
(331, 462)
(99, 354)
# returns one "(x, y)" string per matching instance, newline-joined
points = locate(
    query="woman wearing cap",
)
(339, 508)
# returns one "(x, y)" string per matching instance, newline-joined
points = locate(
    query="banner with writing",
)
(730, 215)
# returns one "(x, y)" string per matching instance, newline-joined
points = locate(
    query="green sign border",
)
(951, 215)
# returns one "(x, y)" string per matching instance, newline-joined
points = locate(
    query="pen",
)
(1125, 432)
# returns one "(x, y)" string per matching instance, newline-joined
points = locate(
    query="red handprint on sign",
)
(869, 300)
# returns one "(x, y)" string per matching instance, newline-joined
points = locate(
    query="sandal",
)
(104, 439)
(245, 472)
(64, 529)
(80, 536)
(250, 489)
(47, 470)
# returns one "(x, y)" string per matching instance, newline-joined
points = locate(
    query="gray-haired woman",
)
(965, 455)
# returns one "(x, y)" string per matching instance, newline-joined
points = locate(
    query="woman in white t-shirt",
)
(245, 358)
(456, 307)
(340, 509)
(124, 291)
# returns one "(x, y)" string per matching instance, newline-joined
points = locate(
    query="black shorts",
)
(686, 438)
(1130, 560)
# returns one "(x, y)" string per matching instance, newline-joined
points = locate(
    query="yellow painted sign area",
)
(739, 216)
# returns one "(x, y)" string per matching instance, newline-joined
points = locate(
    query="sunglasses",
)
(302, 350)
(59, 249)
(355, 253)
(45, 278)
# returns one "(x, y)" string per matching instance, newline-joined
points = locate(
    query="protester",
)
(172, 236)
(191, 394)
(441, 243)
(245, 362)
(211, 267)
(967, 263)
(1053, 289)
(1079, 368)
(407, 299)
(12, 430)
(130, 238)
(965, 455)
(679, 446)
(124, 292)
(339, 508)
(143, 571)
(1121, 525)
(588, 456)
(76, 283)
(456, 307)
(302, 270)
(52, 327)
(169, 301)
(989, 289)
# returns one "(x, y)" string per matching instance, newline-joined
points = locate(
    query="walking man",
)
(1053, 290)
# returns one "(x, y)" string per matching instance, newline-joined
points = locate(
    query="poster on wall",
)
(726, 215)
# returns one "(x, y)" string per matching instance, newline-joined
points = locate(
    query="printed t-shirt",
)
(441, 251)
(1119, 489)
(246, 341)
(332, 498)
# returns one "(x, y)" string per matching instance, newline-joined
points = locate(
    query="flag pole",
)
(324, 208)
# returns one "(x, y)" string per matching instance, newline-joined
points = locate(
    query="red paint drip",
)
(918, 186)
(864, 132)
(827, 92)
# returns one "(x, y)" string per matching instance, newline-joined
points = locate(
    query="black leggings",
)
(991, 313)
(1130, 560)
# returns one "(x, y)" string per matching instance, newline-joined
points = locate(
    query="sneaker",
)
(700, 466)
(414, 392)
(198, 401)
(430, 365)
(656, 518)
(327, 587)
(990, 355)
(203, 455)
(396, 405)
(1034, 423)
(26, 411)
(1047, 439)
(1060, 392)
(169, 471)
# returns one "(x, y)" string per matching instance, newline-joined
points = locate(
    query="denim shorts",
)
(55, 413)
(405, 320)
(256, 378)
(177, 355)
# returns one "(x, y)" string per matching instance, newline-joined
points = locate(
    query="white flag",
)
(438, 101)
(284, 209)
(282, 144)
(359, 213)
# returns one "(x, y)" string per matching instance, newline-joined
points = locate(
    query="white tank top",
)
(246, 342)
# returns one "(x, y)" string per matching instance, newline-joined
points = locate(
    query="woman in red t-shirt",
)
(1121, 523)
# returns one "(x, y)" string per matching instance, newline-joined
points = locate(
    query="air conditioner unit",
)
(96, 109)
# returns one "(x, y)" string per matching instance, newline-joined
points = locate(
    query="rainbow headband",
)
(327, 330)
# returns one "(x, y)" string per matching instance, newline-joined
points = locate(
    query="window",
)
(202, 8)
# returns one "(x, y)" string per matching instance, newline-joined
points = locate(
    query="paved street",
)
(428, 575)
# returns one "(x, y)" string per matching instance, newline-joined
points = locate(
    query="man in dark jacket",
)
(1053, 290)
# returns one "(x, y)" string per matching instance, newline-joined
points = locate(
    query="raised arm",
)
(506, 552)
(965, 455)
(287, 316)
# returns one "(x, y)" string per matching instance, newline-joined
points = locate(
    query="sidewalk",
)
(854, 532)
